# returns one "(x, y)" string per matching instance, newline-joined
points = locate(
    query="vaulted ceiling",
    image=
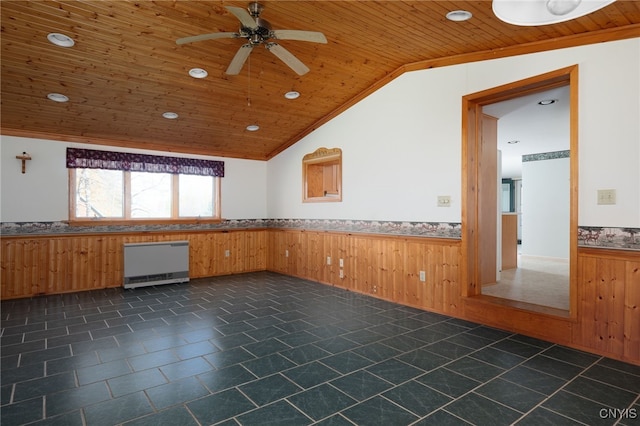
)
(125, 69)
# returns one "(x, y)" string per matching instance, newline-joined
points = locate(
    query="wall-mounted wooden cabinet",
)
(322, 176)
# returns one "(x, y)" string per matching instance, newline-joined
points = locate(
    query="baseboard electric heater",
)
(148, 264)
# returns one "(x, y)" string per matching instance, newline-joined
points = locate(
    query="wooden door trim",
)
(471, 114)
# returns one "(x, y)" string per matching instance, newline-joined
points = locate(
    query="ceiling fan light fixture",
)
(58, 97)
(253, 127)
(60, 40)
(459, 15)
(544, 12)
(198, 73)
(170, 115)
(292, 95)
(562, 7)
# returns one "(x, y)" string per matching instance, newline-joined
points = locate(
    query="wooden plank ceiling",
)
(126, 69)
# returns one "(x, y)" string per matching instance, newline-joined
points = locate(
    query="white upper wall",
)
(401, 149)
(402, 144)
(42, 194)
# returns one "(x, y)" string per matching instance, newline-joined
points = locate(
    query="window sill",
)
(132, 222)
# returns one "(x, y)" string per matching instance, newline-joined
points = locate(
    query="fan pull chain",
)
(249, 82)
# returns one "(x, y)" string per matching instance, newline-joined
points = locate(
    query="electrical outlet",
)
(341, 273)
(444, 201)
(227, 253)
(374, 289)
(286, 253)
(423, 276)
(342, 263)
(328, 260)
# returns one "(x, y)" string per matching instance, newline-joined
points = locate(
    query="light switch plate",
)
(606, 196)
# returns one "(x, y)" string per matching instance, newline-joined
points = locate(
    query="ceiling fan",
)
(258, 31)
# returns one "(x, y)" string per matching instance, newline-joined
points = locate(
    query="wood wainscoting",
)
(384, 266)
(51, 264)
(607, 321)
(609, 302)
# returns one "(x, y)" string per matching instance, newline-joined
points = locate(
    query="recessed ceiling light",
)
(60, 40)
(198, 73)
(292, 95)
(459, 15)
(547, 102)
(513, 142)
(253, 127)
(57, 97)
(170, 115)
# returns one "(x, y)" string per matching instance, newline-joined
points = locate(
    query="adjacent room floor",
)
(537, 280)
(263, 348)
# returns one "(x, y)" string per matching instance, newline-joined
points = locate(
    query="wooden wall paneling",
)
(297, 262)
(33, 265)
(378, 269)
(18, 262)
(276, 256)
(608, 314)
(413, 292)
(632, 311)
(354, 264)
(287, 244)
(331, 272)
(610, 304)
(115, 262)
(314, 259)
(395, 256)
(374, 273)
(586, 330)
(601, 302)
(357, 264)
(296, 253)
(451, 279)
(255, 250)
(8, 269)
(221, 264)
(434, 277)
(201, 256)
(78, 258)
(237, 251)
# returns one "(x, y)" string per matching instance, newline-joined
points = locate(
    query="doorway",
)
(481, 208)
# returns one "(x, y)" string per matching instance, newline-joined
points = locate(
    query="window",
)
(120, 186)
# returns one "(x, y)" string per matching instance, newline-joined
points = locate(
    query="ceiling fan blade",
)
(202, 37)
(238, 61)
(245, 19)
(312, 36)
(288, 58)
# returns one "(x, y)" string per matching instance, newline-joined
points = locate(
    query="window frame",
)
(128, 220)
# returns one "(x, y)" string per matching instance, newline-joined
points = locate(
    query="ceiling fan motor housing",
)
(263, 29)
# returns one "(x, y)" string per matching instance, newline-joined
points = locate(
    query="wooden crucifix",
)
(24, 157)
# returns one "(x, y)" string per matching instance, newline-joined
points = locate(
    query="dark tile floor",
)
(263, 348)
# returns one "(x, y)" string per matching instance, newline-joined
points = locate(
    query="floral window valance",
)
(93, 159)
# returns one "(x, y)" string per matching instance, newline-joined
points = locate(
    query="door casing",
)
(472, 201)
